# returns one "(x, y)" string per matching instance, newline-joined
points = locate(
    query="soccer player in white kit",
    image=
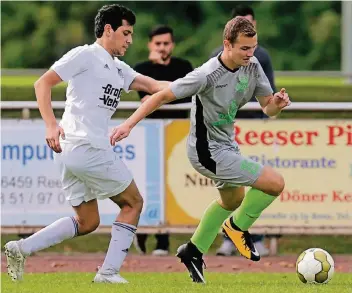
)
(89, 168)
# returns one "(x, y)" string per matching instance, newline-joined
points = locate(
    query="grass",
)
(309, 81)
(293, 244)
(175, 282)
(24, 80)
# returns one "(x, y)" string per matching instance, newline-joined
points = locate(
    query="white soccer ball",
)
(315, 266)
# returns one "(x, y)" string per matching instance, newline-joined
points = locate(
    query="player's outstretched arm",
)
(43, 93)
(273, 104)
(149, 106)
(147, 84)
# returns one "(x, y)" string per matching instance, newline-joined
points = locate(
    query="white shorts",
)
(89, 173)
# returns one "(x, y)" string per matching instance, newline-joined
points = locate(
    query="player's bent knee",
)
(231, 198)
(277, 185)
(130, 199)
(280, 185)
(133, 204)
(140, 204)
(137, 204)
(231, 204)
(136, 201)
(270, 182)
(87, 226)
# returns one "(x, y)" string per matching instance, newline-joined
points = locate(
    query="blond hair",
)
(236, 26)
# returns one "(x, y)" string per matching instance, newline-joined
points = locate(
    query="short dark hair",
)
(112, 14)
(236, 26)
(161, 30)
(242, 10)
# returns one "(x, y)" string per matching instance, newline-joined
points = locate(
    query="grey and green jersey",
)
(218, 92)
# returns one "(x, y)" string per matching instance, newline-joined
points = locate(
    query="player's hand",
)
(156, 57)
(281, 99)
(119, 133)
(52, 137)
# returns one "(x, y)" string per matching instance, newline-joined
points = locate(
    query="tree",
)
(298, 35)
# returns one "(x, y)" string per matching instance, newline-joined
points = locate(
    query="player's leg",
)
(214, 216)
(107, 177)
(265, 189)
(72, 166)
(227, 248)
(85, 221)
(122, 233)
(191, 253)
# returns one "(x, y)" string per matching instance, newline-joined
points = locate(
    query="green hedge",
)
(298, 93)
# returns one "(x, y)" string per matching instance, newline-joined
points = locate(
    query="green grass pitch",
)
(174, 282)
(287, 80)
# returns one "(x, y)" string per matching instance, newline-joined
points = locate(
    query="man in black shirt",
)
(227, 247)
(163, 66)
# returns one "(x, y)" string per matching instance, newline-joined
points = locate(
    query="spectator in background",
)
(162, 66)
(227, 248)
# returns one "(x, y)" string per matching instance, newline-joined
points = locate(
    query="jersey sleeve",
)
(193, 83)
(263, 87)
(72, 63)
(129, 75)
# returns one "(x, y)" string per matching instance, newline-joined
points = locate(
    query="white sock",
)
(62, 229)
(121, 239)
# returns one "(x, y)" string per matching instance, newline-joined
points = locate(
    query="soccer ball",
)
(315, 266)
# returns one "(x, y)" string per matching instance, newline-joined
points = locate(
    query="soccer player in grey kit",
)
(219, 88)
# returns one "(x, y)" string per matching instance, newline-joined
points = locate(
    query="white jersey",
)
(95, 81)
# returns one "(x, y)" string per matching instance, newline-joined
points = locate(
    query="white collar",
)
(103, 52)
